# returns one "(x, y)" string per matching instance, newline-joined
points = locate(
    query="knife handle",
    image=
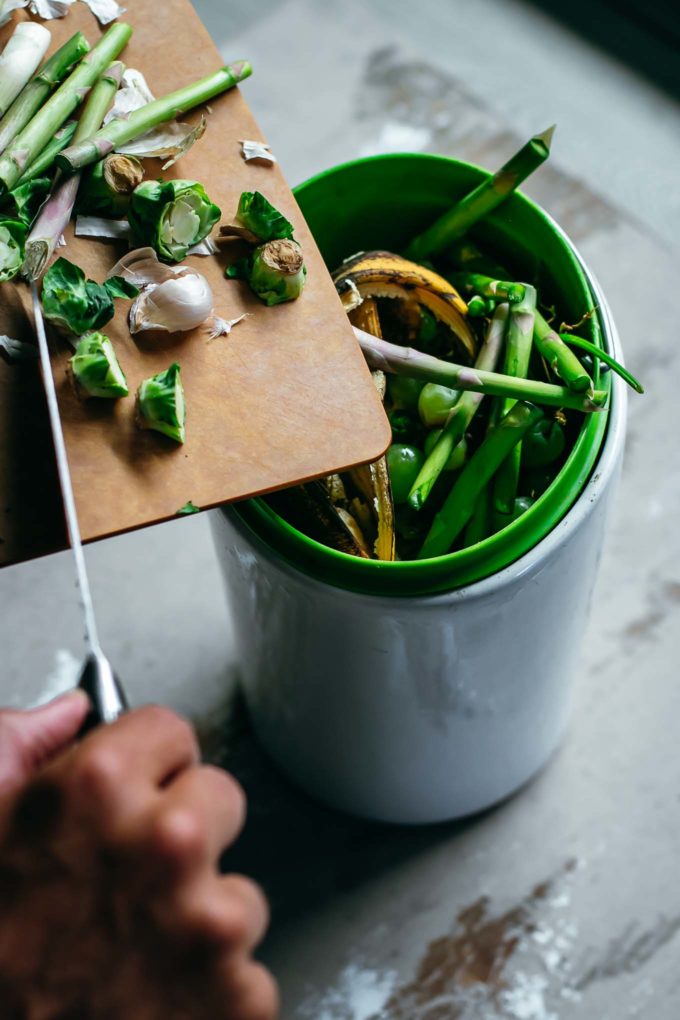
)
(104, 690)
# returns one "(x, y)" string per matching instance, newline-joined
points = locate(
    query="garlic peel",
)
(223, 327)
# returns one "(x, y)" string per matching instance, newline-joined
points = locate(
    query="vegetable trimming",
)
(160, 404)
(77, 305)
(20, 59)
(171, 216)
(30, 142)
(117, 132)
(29, 101)
(56, 213)
(96, 370)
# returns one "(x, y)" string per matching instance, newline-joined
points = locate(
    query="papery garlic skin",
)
(177, 305)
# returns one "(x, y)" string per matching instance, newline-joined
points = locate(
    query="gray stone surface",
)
(580, 869)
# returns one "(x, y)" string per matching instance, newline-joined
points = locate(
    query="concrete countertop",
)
(564, 901)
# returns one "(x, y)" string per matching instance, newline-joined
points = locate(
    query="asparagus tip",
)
(241, 69)
(546, 136)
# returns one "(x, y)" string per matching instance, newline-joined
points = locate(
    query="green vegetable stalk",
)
(108, 185)
(119, 131)
(28, 102)
(479, 306)
(479, 202)
(161, 405)
(96, 370)
(516, 362)
(461, 414)
(30, 142)
(44, 161)
(475, 476)
(563, 362)
(543, 444)
(601, 355)
(171, 216)
(76, 305)
(478, 527)
(277, 272)
(407, 361)
(479, 283)
(56, 213)
(20, 59)
(12, 242)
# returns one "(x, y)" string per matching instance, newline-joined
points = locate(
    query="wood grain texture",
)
(285, 397)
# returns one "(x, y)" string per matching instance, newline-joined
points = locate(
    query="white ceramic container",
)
(420, 709)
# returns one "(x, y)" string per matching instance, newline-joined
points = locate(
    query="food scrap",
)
(257, 152)
(96, 370)
(485, 398)
(160, 404)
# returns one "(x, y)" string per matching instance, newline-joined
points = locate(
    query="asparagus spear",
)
(56, 212)
(477, 528)
(485, 197)
(461, 414)
(416, 365)
(20, 59)
(517, 355)
(563, 362)
(44, 161)
(119, 131)
(30, 142)
(475, 476)
(478, 283)
(36, 92)
(597, 352)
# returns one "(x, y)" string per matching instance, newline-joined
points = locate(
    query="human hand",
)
(111, 902)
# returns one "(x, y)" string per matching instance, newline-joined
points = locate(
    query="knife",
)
(97, 677)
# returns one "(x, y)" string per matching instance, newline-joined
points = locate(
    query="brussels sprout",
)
(277, 271)
(77, 305)
(259, 216)
(96, 370)
(24, 202)
(171, 216)
(160, 404)
(403, 463)
(435, 403)
(106, 189)
(12, 242)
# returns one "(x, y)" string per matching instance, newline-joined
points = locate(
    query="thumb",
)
(29, 739)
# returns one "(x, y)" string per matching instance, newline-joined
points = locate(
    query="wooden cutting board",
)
(284, 398)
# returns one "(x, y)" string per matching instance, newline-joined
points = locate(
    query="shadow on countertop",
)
(299, 851)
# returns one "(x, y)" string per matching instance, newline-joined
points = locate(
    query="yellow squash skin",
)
(384, 274)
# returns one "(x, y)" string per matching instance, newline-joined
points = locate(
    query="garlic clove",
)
(174, 306)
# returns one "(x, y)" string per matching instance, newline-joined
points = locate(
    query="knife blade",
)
(97, 677)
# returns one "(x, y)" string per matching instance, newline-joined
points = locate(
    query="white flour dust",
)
(358, 994)
(396, 136)
(62, 677)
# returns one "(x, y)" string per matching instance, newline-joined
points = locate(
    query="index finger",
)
(147, 745)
